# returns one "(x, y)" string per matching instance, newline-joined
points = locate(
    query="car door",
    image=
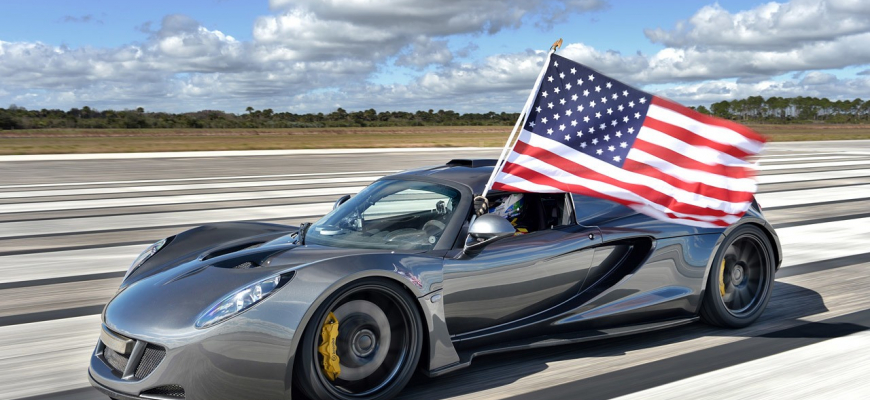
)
(516, 277)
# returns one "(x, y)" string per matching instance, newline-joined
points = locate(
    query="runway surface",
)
(70, 227)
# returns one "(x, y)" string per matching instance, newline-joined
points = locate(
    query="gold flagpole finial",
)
(556, 45)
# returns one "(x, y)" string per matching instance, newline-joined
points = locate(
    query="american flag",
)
(589, 134)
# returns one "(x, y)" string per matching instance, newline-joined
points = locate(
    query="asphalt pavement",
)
(71, 225)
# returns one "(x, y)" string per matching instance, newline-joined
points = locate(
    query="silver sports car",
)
(403, 277)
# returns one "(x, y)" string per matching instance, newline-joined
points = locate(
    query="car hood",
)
(170, 301)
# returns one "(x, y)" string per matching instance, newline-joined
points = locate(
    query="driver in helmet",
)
(510, 207)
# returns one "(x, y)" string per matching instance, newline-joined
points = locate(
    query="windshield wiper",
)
(300, 236)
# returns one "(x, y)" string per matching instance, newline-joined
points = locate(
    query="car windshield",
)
(388, 214)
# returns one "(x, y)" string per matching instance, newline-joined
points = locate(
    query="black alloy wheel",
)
(379, 343)
(741, 279)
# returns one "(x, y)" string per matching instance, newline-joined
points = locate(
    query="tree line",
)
(784, 110)
(16, 117)
(753, 109)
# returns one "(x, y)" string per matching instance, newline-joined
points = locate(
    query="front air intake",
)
(164, 392)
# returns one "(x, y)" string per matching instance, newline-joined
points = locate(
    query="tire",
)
(740, 282)
(379, 343)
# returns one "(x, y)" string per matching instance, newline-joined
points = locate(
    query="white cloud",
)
(768, 26)
(313, 56)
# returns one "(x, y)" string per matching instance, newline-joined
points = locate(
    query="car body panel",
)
(609, 273)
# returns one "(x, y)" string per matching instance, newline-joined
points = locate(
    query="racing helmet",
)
(510, 206)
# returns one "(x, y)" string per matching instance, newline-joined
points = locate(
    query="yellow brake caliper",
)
(328, 348)
(722, 279)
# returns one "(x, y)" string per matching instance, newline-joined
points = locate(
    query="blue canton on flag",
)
(588, 111)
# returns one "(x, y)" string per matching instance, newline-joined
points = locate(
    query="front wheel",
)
(377, 343)
(741, 280)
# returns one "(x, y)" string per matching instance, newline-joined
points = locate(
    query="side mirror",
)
(486, 229)
(341, 201)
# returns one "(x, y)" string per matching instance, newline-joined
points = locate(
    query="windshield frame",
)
(451, 231)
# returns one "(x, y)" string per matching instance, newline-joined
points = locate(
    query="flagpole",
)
(523, 114)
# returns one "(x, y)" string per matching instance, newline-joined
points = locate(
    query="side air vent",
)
(164, 392)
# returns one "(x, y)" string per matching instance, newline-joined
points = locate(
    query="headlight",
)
(241, 300)
(150, 251)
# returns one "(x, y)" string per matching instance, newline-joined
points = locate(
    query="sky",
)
(315, 56)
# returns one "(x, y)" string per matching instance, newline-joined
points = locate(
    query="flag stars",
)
(549, 131)
(609, 85)
(620, 108)
(599, 152)
(601, 126)
(573, 71)
(598, 115)
(625, 119)
(562, 101)
(618, 134)
(556, 116)
(631, 104)
(574, 97)
(538, 109)
(637, 115)
(580, 108)
(579, 82)
(550, 105)
(617, 158)
(594, 141)
(568, 112)
(579, 133)
(583, 145)
(609, 111)
(597, 89)
(592, 104)
(586, 118)
(568, 86)
(625, 93)
(562, 127)
(606, 138)
(574, 122)
(550, 78)
(544, 120)
(614, 96)
(630, 130)
(591, 78)
(556, 90)
(562, 75)
(567, 137)
(586, 93)
(555, 63)
(591, 129)
(604, 100)
(623, 145)
(613, 123)
(642, 100)
(532, 124)
(611, 148)
(544, 94)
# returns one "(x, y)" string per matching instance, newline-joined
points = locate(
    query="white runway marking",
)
(812, 176)
(45, 265)
(166, 200)
(812, 165)
(84, 224)
(832, 369)
(213, 178)
(817, 242)
(200, 186)
(46, 357)
(810, 196)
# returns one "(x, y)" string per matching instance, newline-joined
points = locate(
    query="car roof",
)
(473, 173)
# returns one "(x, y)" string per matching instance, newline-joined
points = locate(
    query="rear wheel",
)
(741, 281)
(378, 343)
